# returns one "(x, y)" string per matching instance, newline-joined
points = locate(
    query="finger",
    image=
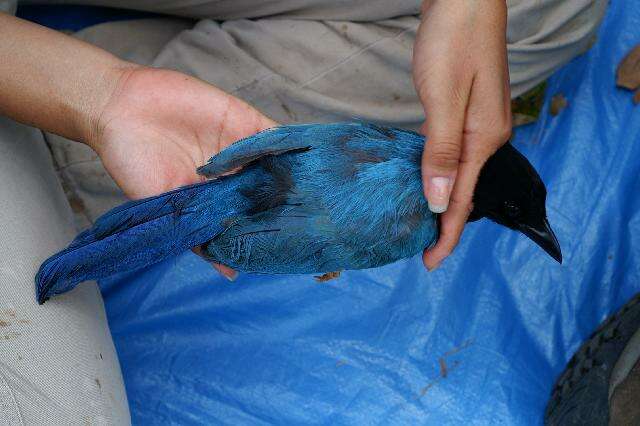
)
(452, 222)
(450, 232)
(241, 120)
(225, 271)
(221, 119)
(475, 154)
(489, 126)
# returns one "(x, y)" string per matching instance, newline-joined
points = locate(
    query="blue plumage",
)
(339, 196)
(312, 198)
(309, 199)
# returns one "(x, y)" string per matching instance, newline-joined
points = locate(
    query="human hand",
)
(158, 126)
(150, 127)
(461, 74)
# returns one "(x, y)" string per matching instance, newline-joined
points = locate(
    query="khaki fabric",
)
(7, 6)
(301, 66)
(58, 365)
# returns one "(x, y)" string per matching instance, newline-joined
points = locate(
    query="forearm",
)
(52, 81)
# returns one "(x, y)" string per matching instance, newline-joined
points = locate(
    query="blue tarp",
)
(478, 341)
(76, 17)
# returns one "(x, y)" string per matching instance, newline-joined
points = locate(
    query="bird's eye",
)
(511, 210)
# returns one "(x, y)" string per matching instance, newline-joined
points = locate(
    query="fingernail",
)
(439, 192)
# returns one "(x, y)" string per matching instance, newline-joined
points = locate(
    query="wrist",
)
(53, 81)
(91, 118)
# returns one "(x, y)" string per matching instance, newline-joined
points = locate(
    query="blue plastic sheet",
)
(76, 17)
(478, 341)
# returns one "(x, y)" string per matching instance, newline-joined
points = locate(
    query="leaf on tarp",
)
(526, 107)
(628, 75)
(558, 103)
(522, 119)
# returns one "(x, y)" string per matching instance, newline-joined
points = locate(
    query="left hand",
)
(158, 126)
(460, 72)
(150, 127)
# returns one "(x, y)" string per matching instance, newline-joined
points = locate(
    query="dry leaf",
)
(522, 119)
(558, 103)
(327, 276)
(629, 70)
(526, 107)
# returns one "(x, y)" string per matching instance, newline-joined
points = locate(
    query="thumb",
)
(444, 95)
(441, 155)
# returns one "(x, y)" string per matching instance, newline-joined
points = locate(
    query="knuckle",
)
(503, 132)
(500, 129)
(495, 130)
(484, 144)
(444, 153)
(495, 135)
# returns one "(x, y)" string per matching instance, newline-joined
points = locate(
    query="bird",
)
(300, 199)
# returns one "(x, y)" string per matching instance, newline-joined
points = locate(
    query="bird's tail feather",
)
(137, 234)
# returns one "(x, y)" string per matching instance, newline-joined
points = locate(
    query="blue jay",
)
(313, 198)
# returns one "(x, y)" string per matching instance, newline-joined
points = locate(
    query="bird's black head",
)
(511, 193)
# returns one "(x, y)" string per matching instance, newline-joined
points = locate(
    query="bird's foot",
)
(327, 277)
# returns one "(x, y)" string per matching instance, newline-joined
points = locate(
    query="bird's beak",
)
(543, 236)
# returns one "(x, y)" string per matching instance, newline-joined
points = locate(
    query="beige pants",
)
(295, 60)
(298, 65)
(58, 365)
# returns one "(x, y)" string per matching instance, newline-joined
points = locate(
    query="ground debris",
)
(443, 368)
(628, 75)
(558, 103)
(11, 335)
(424, 390)
(457, 349)
(327, 277)
(526, 107)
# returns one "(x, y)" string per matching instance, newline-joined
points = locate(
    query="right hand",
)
(462, 78)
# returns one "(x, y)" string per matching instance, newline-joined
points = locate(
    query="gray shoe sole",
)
(581, 394)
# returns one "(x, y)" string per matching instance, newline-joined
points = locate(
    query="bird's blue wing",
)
(353, 200)
(279, 140)
(285, 239)
(275, 141)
